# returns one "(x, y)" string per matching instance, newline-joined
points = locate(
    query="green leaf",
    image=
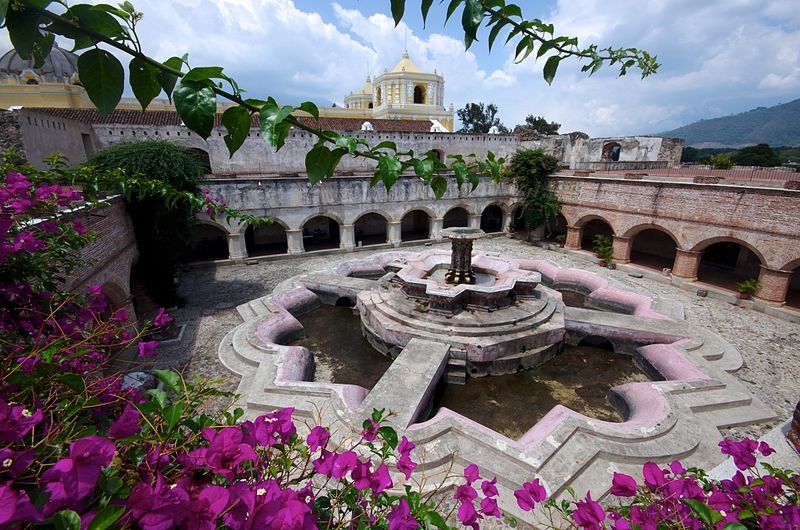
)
(99, 21)
(103, 77)
(550, 68)
(171, 380)
(424, 169)
(496, 31)
(390, 435)
(3, 9)
(460, 170)
(384, 145)
(72, 380)
(389, 169)
(237, 121)
(167, 80)
(398, 8)
(271, 118)
(196, 104)
(439, 186)
(159, 397)
(734, 526)
(426, 6)
(434, 519)
(202, 73)
(23, 30)
(173, 414)
(451, 7)
(471, 19)
(321, 162)
(474, 179)
(545, 47)
(106, 517)
(348, 142)
(144, 81)
(705, 513)
(66, 520)
(309, 107)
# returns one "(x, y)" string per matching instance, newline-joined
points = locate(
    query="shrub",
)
(604, 247)
(720, 162)
(531, 169)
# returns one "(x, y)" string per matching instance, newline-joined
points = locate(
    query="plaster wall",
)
(43, 135)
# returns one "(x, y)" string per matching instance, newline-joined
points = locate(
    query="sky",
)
(718, 57)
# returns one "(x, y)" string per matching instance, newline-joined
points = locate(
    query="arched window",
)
(611, 152)
(419, 94)
(378, 97)
(370, 105)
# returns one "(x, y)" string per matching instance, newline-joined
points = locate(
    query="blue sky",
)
(719, 56)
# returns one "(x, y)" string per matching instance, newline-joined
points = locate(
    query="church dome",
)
(366, 88)
(405, 65)
(59, 64)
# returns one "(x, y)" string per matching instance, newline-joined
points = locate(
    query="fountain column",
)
(460, 270)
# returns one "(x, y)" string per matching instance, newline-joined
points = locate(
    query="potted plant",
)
(560, 239)
(604, 249)
(747, 288)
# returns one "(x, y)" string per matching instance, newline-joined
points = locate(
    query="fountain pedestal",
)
(460, 270)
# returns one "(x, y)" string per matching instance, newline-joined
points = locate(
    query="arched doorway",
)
(492, 219)
(654, 249)
(419, 94)
(726, 263)
(592, 229)
(611, 152)
(793, 294)
(265, 240)
(556, 229)
(208, 243)
(457, 216)
(370, 229)
(415, 225)
(320, 233)
(518, 220)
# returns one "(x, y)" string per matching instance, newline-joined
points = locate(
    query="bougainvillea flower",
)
(677, 468)
(743, 452)
(406, 466)
(468, 516)
(405, 447)
(73, 478)
(400, 517)
(159, 507)
(530, 494)
(370, 432)
(270, 429)
(489, 507)
(162, 318)
(318, 438)
(471, 473)
(205, 507)
(16, 507)
(489, 487)
(226, 450)
(343, 464)
(588, 514)
(12, 462)
(765, 449)
(623, 485)
(127, 424)
(147, 349)
(653, 475)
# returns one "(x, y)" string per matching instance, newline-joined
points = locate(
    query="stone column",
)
(436, 228)
(294, 242)
(507, 220)
(237, 248)
(348, 239)
(574, 234)
(774, 284)
(394, 234)
(622, 249)
(474, 221)
(686, 264)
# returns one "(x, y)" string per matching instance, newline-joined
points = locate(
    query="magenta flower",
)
(468, 516)
(406, 466)
(370, 432)
(588, 514)
(16, 421)
(471, 473)
(147, 349)
(343, 464)
(400, 517)
(489, 507)
(226, 450)
(677, 468)
(162, 318)
(79, 228)
(318, 438)
(270, 429)
(405, 447)
(127, 424)
(765, 449)
(159, 507)
(465, 493)
(530, 494)
(13, 463)
(378, 480)
(623, 485)
(653, 475)
(16, 507)
(743, 452)
(73, 478)
(489, 487)
(205, 507)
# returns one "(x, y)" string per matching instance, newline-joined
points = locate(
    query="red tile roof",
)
(171, 118)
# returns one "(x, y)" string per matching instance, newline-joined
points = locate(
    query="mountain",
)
(776, 126)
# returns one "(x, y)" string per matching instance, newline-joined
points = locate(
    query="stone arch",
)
(370, 228)
(456, 216)
(441, 154)
(321, 231)
(557, 227)
(416, 224)
(611, 152)
(593, 225)
(419, 94)
(202, 157)
(266, 239)
(209, 241)
(492, 218)
(725, 261)
(116, 296)
(793, 291)
(517, 218)
(652, 246)
(370, 105)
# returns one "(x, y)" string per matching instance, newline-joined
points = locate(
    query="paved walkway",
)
(770, 346)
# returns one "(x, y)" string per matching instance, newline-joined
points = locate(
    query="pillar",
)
(622, 249)
(436, 228)
(395, 233)
(294, 242)
(348, 237)
(507, 220)
(237, 248)
(574, 234)
(474, 221)
(686, 264)
(774, 284)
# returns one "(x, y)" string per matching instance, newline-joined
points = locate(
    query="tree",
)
(537, 125)
(32, 26)
(690, 154)
(757, 155)
(531, 169)
(720, 161)
(478, 119)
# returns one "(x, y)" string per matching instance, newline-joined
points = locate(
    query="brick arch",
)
(116, 296)
(503, 206)
(636, 230)
(383, 213)
(792, 265)
(704, 244)
(593, 217)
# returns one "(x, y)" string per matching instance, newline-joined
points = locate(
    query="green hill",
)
(776, 126)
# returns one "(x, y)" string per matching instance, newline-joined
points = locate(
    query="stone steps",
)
(456, 370)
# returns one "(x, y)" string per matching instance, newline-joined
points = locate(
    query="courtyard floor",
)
(770, 346)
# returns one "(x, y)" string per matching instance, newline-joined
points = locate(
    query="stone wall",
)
(43, 135)
(11, 133)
